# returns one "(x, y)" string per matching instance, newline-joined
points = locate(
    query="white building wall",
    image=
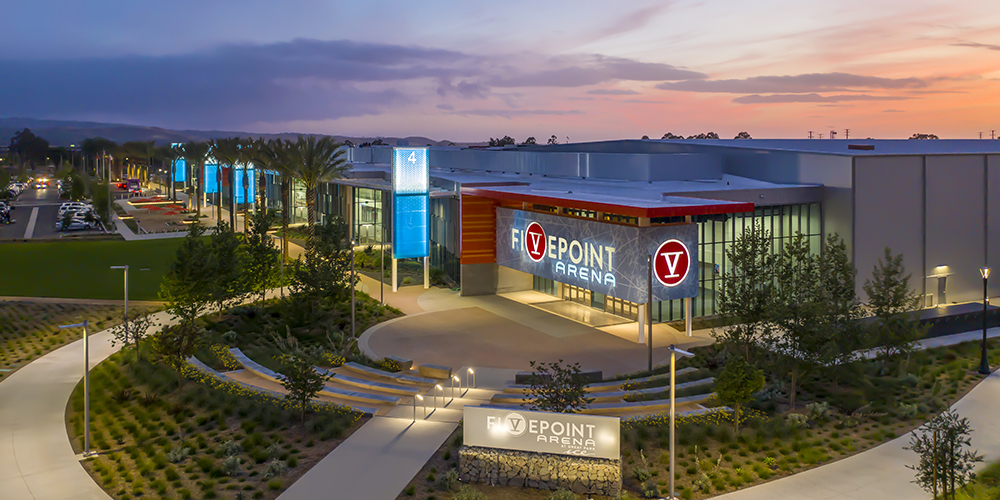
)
(888, 201)
(955, 222)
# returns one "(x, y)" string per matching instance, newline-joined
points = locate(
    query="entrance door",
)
(577, 294)
(621, 307)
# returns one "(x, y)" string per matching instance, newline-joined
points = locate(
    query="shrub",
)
(563, 494)
(447, 480)
(176, 455)
(909, 410)
(818, 411)
(274, 468)
(467, 492)
(797, 420)
(231, 466)
(231, 448)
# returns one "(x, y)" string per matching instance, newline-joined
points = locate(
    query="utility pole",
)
(980, 135)
(810, 134)
(847, 133)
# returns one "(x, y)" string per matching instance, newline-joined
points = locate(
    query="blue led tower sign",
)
(410, 203)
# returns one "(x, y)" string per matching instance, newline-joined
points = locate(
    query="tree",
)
(645, 138)
(301, 381)
(505, 141)
(248, 152)
(557, 388)
(196, 155)
(892, 303)
(324, 271)
(745, 296)
(743, 135)
(794, 312)
(227, 152)
(185, 289)
(314, 161)
(553, 140)
(168, 156)
(707, 135)
(735, 386)
(133, 328)
(225, 285)
(260, 269)
(669, 135)
(945, 462)
(923, 136)
(530, 141)
(28, 147)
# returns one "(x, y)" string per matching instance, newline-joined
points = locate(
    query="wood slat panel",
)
(479, 230)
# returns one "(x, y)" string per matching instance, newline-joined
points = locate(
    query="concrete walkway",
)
(881, 473)
(37, 461)
(375, 463)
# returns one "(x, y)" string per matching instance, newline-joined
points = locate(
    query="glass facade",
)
(716, 233)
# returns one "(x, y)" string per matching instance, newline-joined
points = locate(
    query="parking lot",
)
(43, 205)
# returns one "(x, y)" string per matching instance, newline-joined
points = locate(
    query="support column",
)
(642, 323)
(395, 286)
(687, 316)
(427, 274)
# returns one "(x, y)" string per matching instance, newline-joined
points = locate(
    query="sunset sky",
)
(466, 71)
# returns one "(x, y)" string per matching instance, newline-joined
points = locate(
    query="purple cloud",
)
(786, 98)
(612, 92)
(791, 84)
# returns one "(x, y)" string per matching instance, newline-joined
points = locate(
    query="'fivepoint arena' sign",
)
(605, 258)
(560, 433)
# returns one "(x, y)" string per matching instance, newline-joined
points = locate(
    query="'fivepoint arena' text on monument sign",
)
(560, 433)
(602, 257)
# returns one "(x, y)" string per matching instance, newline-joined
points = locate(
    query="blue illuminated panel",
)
(210, 178)
(180, 168)
(410, 200)
(251, 188)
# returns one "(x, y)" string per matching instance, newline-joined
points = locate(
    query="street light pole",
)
(649, 311)
(984, 365)
(86, 384)
(353, 333)
(673, 411)
(125, 267)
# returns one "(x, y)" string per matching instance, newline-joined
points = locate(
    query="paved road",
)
(47, 202)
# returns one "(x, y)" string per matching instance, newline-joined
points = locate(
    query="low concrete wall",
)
(544, 471)
(512, 280)
(479, 279)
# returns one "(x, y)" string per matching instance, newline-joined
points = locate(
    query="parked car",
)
(76, 224)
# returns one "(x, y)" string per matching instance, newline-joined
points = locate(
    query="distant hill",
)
(65, 133)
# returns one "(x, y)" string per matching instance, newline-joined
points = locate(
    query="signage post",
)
(410, 202)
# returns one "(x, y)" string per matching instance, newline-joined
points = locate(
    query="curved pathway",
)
(881, 473)
(37, 461)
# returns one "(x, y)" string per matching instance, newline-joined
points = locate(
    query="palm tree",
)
(196, 155)
(226, 152)
(248, 153)
(169, 155)
(315, 161)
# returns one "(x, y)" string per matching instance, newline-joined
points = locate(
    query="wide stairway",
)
(402, 394)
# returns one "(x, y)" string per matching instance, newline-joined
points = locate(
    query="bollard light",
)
(454, 378)
(421, 398)
(437, 387)
(473, 374)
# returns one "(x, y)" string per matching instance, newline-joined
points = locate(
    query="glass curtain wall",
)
(716, 233)
(369, 214)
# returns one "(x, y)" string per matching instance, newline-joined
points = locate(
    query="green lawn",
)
(80, 269)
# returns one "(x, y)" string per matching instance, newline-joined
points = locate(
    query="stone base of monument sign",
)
(545, 471)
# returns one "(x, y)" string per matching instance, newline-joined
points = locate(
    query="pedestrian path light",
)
(421, 398)
(467, 373)
(984, 365)
(437, 387)
(673, 411)
(454, 378)
(86, 385)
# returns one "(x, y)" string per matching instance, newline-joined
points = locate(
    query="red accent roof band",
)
(632, 211)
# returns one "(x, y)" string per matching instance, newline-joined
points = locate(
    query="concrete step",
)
(367, 384)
